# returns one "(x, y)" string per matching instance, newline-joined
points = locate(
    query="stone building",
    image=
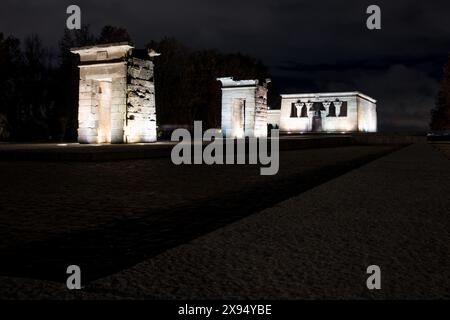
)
(327, 112)
(116, 94)
(244, 108)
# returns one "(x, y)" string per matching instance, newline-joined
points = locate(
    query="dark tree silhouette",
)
(11, 65)
(440, 115)
(39, 99)
(36, 91)
(25, 96)
(110, 34)
(65, 120)
(186, 85)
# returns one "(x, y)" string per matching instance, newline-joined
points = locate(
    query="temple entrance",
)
(317, 108)
(238, 118)
(104, 111)
(116, 94)
(317, 123)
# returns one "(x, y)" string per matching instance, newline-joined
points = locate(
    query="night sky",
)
(310, 46)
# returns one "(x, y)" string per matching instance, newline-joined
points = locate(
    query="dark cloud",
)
(309, 45)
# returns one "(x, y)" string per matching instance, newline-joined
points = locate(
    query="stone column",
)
(118, 109)
(326, 105)
(141, 107)
(88, 112)
(338, 105)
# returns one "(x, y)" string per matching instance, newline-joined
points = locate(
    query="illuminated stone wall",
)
(273, 118)
(116, 96)
(244, 108)
(260, 125)
(339, 112)
(141, 107)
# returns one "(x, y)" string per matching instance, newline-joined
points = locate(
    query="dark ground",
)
(444, 148)
(108, 216)
(392, 212)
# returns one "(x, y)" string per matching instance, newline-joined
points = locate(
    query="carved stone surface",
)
(116, 96)
(141, 108)
(244, 108)
(354, 112)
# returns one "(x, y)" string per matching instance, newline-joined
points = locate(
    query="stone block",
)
(134, 71)
(117, 123)
(117, 116)
(145, 74)
(84, 110)
(141, 63)
(122, 100)
(131, 95)
(86, 95)
(143, 83)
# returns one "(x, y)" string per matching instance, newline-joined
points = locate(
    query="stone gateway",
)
(244, 108)
(116, 94)
(117, 102)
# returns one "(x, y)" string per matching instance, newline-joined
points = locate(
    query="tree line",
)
(440, 115)
(39, 89)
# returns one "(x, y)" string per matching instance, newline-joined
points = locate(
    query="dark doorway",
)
(317, 117)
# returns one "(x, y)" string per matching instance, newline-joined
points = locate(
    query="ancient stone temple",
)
(116, 94)
(328, 112)
(244, 108)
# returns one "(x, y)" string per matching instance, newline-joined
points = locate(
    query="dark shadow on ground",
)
(114, 247)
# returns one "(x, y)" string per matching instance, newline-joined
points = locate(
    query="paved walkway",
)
(444, 147)
(109, 216)
(113, 152)
(393, 212)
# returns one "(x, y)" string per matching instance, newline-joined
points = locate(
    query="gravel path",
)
(393, 212)
(107, 217)
(444, 148)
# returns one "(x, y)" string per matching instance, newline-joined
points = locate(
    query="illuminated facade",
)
(116, 95)
(117, 102)
(327, 112)
(244, 108)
